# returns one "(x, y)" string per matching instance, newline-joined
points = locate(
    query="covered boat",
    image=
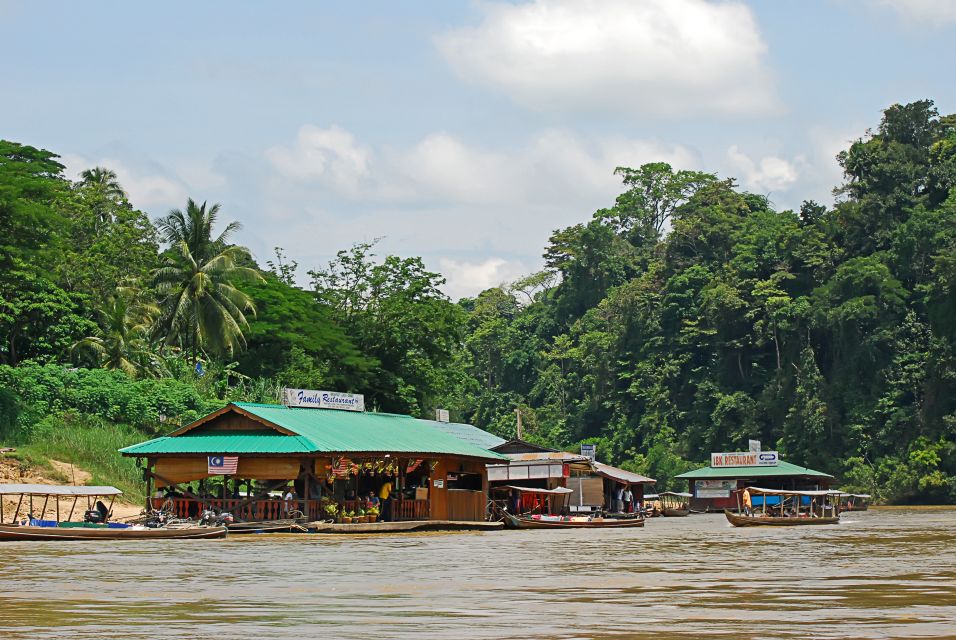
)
(758, 507)
(674, 504)
(96, 523)
(549, 521)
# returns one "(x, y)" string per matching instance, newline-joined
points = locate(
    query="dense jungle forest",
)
(687, 317)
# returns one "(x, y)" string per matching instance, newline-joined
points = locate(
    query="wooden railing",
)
(410, 510)
(259, 510)
(252, 511)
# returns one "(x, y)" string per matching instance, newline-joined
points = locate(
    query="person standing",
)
(628, 499)
(748, 503)
(290, 500)
(385, 496)
(619, 499)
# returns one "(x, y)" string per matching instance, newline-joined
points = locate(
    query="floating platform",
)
(402, 527)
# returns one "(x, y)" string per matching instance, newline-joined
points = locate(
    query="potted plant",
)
(361, 515)
(332, 509)
(372, 513)
(347, 517)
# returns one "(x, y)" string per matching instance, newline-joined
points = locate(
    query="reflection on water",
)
(879, 574)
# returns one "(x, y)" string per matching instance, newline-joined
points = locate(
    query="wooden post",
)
(16, 514)
(70, 517)
(46, 499)
(58, 508)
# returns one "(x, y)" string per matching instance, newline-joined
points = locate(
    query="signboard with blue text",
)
(323, 399)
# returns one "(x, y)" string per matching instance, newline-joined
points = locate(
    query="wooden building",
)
(329, 454)
(593, 484)
(713, 488)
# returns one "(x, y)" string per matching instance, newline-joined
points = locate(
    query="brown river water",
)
(885, 573)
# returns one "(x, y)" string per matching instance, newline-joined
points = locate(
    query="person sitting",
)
(372, 500)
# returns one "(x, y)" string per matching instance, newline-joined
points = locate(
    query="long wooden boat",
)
(521, 522)
(740, 520)
(16, 532)
(675, 513)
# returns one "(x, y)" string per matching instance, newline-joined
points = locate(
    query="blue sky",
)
(464, 132)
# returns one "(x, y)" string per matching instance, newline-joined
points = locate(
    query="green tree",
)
(201, 308)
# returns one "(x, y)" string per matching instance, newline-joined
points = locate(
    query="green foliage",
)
(202, 310)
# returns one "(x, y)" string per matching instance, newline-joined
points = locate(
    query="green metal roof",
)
(469, 433)
(318, 431)
(782, 469)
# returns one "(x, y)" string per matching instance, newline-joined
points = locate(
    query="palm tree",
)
(105, 181)
(103, 185)
(201, 309)
(122, 339)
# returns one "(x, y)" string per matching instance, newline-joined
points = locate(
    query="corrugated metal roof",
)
(783, 468)
(320, 431)
(470, 433)
(556, 456)
(620, 475)
(57, 490)
(224, 442)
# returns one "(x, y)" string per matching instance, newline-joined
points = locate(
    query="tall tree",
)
(202, 309)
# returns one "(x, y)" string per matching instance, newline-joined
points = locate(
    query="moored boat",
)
(788, 508)
(526, 522)
(17, 532)
(96, 525)
(674, 504)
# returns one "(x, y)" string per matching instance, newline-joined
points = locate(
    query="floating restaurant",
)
(246, 458)
(712, 487)
(592, 486)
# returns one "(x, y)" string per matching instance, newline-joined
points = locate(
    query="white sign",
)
(744, 459)
(323, 399)
(712, 493)
(439, 484)
(589, 451)
(441, 415)
(724, 485)
(754, 446)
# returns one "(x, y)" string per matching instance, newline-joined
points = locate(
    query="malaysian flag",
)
(222, 465)
(341, 467)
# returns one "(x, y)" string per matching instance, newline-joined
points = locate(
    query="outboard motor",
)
(94, 516)
(213, 519)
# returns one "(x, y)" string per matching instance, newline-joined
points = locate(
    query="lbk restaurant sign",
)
(744, 459)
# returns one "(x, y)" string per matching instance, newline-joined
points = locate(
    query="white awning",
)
(784, 492)
(556, 491)
(57, 490)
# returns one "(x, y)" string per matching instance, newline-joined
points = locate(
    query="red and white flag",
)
(222, 465)
(340, 468)
(412, 465)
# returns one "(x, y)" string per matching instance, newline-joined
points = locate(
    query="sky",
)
(461, 132)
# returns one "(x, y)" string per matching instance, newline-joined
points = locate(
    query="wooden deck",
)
(406, 526)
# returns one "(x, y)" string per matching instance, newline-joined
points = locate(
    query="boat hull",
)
(750, 521)
(514, 522)
(63, 533)
(676, 513)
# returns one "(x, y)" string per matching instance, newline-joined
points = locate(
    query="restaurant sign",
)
(323, 399)
(589, 451)
(744, 459)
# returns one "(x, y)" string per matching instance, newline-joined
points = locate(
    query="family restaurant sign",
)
(323, 399)
(744, 459)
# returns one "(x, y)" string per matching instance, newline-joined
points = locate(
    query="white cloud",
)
(330, 155)
(665, 57)
(769, 174)
(468, 278)
(935, 12)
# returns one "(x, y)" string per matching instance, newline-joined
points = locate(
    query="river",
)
(885, 573)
